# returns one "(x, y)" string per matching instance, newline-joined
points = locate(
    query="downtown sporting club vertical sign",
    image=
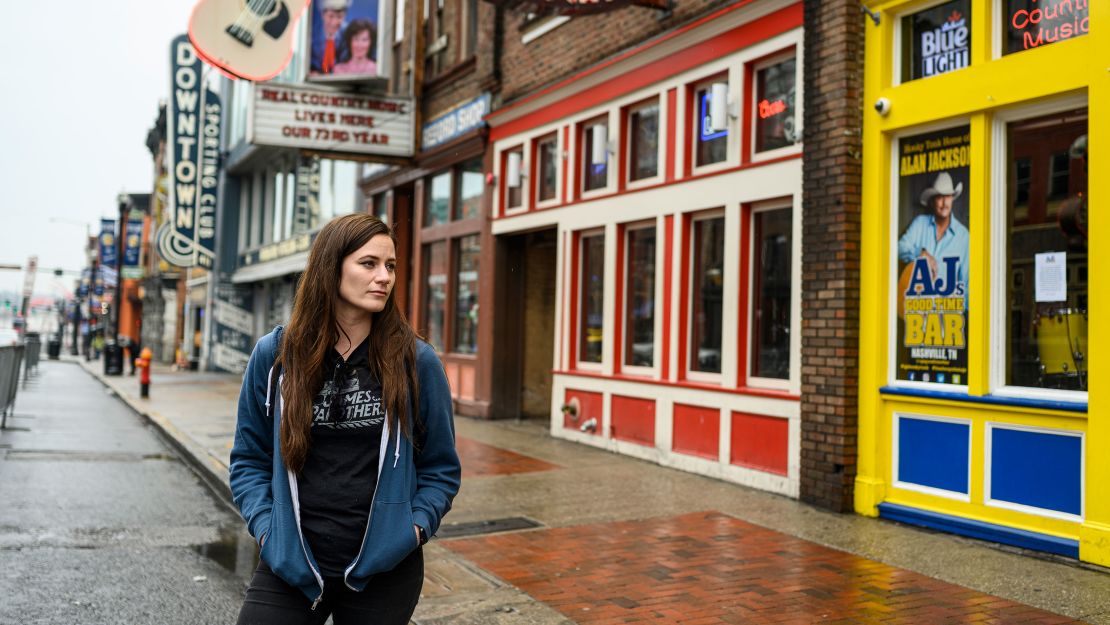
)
(187, 237)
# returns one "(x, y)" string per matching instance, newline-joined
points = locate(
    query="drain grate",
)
(491, 526)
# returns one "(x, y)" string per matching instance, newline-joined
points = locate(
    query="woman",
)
(358, 39)
(344, 459)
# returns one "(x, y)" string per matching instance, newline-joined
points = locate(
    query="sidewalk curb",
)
(212, 471)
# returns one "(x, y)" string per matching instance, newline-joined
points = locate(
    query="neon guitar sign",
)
(251, 39)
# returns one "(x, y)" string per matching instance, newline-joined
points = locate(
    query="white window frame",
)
(535, 143)
(584, 125)
(732, 151)
(998, 253)
(794, 347)
(691, 374)
(656, 352)
(755, 68)
(892, 260)
(661, 131)
(580, 316)
(541, 27)
(502, 158)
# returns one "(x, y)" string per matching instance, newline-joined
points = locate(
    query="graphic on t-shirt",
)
(356, 408)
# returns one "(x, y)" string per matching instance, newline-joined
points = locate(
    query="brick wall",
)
(830, 250)
(559, 53)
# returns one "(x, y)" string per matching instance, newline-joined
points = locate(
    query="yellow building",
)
(979, 409)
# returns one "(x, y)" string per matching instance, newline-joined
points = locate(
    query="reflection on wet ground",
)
(234, 550)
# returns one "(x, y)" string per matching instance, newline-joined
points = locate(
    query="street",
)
(103, 522)
(100, 522)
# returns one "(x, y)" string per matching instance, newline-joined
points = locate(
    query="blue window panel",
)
(933, 454)
(1037, 469)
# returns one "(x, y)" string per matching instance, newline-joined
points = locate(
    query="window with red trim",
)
(591, 297)
(643, 140)
(639, 297)
(771, 290)
(595, 154)
(547, 174)
(707, 294)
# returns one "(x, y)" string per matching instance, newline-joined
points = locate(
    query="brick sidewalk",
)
(708, 568)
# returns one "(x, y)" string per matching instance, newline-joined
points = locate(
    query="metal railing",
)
(33, 343)
(11, 357)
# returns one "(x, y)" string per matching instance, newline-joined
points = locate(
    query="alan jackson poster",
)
(932, 257)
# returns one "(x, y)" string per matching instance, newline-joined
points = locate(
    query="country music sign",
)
(325, 120)
(1032, 24)
(187, 238)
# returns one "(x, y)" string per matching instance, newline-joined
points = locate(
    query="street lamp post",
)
(74, 348)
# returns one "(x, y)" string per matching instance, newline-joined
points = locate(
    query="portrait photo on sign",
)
(344, 40)
(931, 249)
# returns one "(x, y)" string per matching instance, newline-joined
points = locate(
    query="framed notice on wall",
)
(931, 249)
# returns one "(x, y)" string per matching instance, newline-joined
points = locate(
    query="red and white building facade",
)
(677, 230)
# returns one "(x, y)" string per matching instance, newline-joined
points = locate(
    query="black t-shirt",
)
(336, 485)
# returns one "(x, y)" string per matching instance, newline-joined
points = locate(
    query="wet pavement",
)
(100, 522)
(610, 539)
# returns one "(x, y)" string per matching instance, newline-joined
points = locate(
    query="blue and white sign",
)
(108, 256)
(456, 122)
(188, 236)
(706, 132)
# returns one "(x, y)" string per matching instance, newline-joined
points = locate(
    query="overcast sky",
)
(81, 86)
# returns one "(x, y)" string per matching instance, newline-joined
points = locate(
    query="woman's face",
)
(368, 274)
(360, 45)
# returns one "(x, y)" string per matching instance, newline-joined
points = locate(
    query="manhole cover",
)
(474, 528)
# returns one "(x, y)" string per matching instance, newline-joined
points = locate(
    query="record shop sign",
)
(458, 121)
(327, 120)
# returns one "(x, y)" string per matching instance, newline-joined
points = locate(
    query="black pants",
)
(389, 598)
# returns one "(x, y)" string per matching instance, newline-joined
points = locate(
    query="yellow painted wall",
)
(972, 96)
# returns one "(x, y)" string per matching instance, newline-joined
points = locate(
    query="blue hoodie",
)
(413, 488)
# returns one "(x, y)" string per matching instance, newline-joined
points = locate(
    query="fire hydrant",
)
(143, 364)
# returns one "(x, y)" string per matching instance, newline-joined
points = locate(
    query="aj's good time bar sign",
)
(932, 253)
(314, 118)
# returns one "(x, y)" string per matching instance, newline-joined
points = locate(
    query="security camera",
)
(882, 105)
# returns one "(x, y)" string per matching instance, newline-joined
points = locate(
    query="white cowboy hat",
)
(335, 5)
(942, 186)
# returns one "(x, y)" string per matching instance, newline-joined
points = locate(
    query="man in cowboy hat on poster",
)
(937, 235)
(327, 36)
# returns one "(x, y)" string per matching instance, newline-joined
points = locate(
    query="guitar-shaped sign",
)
(251, 39)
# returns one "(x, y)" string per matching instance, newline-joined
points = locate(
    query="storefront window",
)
(592, 295)
(595, 161)
(435, 292)
(513, 194)
(706, 286)
(548, 175)
(712, 145)
(643, 149)
(1046, 243)
(470, 183)
(466, 296)
(378, 208)
(932, 246)
(771, 281)
(936, 40)
(774, 110)
(639, 333)
(1031, 24)
(439, 200)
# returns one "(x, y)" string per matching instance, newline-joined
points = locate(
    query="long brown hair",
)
(313, 332)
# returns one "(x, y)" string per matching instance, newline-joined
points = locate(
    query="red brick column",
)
(831, 166)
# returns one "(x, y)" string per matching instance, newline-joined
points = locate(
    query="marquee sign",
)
(325, 120)
(187, 237)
